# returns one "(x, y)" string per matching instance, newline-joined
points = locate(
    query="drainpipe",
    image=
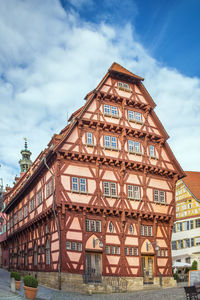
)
(57, 224)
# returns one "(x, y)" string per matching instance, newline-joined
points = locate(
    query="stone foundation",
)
(74, 283)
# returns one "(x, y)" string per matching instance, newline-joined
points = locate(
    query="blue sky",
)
(57, 51)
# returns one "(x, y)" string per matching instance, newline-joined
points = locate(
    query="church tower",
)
(25, 162)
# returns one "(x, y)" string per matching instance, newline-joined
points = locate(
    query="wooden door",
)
(147, 268)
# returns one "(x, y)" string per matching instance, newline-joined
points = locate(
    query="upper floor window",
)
(25, 211)
(159, 196)
(15, 219)
(131, 230)
(174, 245)
(111, 227)
(134, 146)
(110, 189)
(151, 151)
(110, 110)
(179, 227)
(32, 204)
(49, 188)
(89, 138)
(79, 185)
(133, 192)
(20, 214)
(197, 223)
(123, 86)
(110, 142)
(39, 197)
(146, 230)
(134, 116)
(93, 225)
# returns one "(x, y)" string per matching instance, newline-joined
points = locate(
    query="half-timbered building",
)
(96, 208)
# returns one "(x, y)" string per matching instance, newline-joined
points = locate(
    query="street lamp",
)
(100, 242)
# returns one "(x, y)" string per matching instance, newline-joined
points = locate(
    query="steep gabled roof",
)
(118, 68)
(192, 181)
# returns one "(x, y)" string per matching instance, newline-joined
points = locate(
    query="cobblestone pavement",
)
(45, 293)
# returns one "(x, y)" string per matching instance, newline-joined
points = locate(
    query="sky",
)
(52, 53)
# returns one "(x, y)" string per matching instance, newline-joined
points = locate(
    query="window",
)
(134, 116)
(126, 250)
(197, 223)
(49, 188)
(133, 192)
(15, 219)
(110, 142)
(192, 242)
(179, 227)
(107, 249)
(142, 230)
(131, 251)
(110, 189)
(191, 224)
(136, 251)
(159, 196)
(93, 225)
(20, 215)
(146, 230)
(186, 225)
(35, 255)
(197, 239)
(79, 185)
(162, 252)
(89, 138)
(32, 204)
(150, 230)
(151, 151)
(174, 228)
(118, 250)
(123, 86)
(74, 246)
(112, 250)
(187, 243)
(39, 197)
(110, 110)
(47, 252)
(134, 147)
(131, 230)
(166, 253)
(180, 244)
(25, 211)
(68, 245)
(79, 247)
(111, 227)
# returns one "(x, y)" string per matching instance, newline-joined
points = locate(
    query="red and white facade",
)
(110, 179)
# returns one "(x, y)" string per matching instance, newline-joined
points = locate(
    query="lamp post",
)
(100, 242)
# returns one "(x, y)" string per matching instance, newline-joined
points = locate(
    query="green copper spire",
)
(25, 162)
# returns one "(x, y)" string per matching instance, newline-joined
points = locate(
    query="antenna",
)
(26, 146)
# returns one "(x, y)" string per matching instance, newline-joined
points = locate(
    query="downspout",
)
(57, 224)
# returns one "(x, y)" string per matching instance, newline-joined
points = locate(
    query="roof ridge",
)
(118, 68)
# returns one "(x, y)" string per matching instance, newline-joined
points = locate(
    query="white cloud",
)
(50, 59)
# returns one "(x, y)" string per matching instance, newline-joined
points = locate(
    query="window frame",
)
(110, 189)
(79, 182)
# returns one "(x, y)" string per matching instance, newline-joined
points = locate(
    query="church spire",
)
(25, 162)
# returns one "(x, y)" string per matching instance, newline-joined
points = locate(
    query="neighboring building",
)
(186, 230)
(98, 204)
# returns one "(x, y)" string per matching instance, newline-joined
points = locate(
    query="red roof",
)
(117, 68)
(192, 181)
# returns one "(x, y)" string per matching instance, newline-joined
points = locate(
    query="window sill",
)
(90, 145)
(136, 121)
(124, 89)
(111, 116)
(109, 196)
(162, 203)
(111, 149)
(134, 199)
(79, 192)
(136, 153)
(153, 157)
